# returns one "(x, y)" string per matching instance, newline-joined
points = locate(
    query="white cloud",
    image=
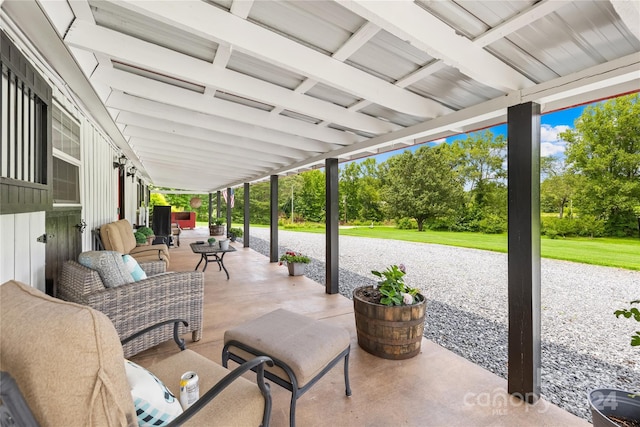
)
(550, 142)
(549, 149)
(438, 141)
(550, 133)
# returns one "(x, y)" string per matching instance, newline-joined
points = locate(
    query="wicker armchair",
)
(135, 306)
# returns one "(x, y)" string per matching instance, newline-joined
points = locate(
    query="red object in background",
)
(184, 219)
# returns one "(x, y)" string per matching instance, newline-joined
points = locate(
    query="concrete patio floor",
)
(435, 388)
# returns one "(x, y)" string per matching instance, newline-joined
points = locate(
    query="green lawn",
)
(610, 252)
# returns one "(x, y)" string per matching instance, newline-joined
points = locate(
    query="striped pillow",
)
(154, 402)
(133, 268)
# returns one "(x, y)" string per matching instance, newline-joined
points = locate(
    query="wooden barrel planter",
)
(390, 332)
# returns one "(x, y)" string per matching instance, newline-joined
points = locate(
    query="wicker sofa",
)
(68, 364)
(134, 306)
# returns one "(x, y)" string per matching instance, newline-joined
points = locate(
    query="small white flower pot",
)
(296, 268)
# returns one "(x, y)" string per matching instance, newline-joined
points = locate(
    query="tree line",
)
(594, 190)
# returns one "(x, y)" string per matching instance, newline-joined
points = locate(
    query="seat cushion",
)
(109, 266)
(241, 404)
(304, 344)
(66, 358)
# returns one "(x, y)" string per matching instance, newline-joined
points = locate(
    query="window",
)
(66, 157)
(24, 145)
(66, 133)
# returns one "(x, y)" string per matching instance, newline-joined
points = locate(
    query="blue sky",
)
(551, 125)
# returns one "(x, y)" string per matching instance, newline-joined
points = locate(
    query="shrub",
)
(407, 224)
(492, 224)
(590, 226)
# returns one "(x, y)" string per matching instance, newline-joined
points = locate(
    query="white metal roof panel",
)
(270, 87)
(114, 17)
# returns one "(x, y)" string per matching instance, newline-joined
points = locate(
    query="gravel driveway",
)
(584, 346)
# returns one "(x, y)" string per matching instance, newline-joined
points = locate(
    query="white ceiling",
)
(211, 94)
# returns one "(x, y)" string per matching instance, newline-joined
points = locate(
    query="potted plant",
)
(144, 236)
(296, 262)
(613, 407)
(141, 239)
(390, 315)
(235, 232)
(223, 244)
(211, 240)
(217, 228)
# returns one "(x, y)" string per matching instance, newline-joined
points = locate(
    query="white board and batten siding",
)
(22, 257)
(99, 181)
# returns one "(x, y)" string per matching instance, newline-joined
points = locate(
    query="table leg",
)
(202, 256)
(221, 263)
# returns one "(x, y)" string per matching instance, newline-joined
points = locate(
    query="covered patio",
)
(436, 388)
(209, 95)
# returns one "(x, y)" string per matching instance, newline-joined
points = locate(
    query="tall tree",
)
(559, 186)
(480, 160)
(481, 157)
(369, 191)
(350, 181)
(557, 192)
(605, 149)
(312, 196)
(422, 185)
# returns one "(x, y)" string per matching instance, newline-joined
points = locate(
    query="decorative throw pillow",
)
(154, 402)
(109, 266)
(133, 268)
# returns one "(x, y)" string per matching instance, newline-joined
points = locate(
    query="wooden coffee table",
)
(211, 253)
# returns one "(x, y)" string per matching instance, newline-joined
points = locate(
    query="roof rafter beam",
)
(220, 148)
(502, 30)
(183, 129)
(168, 62)
(522, 19)
(191, 101)
(144, 107)
(612, 75)
(629, 12)
(200, 19)
(409, 21)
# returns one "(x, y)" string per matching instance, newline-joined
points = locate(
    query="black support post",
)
(228, 210)
(218, 203)
(332, 235)
(246, 215)
(210, 207)
(524, 250)
(273, 220)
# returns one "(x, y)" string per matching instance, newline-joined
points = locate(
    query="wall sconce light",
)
(120, 163)
(132, 172)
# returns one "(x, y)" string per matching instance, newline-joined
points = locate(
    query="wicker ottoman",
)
(303, 350)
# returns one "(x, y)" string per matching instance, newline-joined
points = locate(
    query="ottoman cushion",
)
(302, 343)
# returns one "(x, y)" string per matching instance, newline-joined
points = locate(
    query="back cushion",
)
(126, 234)
(66, 359)
(109, 266)
(111, 239)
